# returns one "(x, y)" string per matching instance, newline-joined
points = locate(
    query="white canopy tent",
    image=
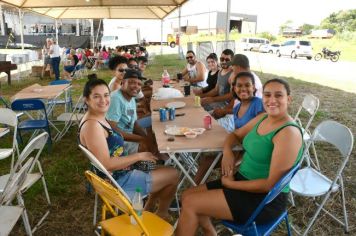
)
(96, 9)
(99, 9)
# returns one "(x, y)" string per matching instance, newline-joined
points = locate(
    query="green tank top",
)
(258, 149)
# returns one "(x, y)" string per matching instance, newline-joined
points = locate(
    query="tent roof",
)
(99, 9)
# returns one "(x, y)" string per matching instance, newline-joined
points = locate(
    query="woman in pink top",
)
(102, 60)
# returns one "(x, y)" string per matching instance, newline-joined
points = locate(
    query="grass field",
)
(347, 48)
(72, 205)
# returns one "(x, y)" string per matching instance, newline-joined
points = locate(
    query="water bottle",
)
(137, 205)
(165, 78)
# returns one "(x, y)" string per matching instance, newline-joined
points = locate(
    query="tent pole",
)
(2, 20)
(21, 29)
(77, 28)
(162, 37)
(228, 11)
(92, 32)
(56, 25)
(97, 33)
(179, 46)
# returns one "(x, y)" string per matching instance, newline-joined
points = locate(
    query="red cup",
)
(207, 122)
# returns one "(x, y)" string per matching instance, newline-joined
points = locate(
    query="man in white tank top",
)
(195, 72)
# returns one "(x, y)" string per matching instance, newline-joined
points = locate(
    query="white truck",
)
(120, 37)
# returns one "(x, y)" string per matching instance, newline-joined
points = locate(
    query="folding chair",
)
(310, 182)
(67, 101)
(95, 163)
(70, 118)
(9, 118)
(6, 104)
(80, 71)
(250, 227)
(35, 145)
(304, 117)
(32, 124)
(149, 224)
(9, 214)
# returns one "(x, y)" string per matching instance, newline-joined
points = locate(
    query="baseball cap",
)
(239, 60)
(131, 73)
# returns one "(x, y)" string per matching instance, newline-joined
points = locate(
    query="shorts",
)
(47, 60)
(69, 68)
(130, 147)
(145, 122)
(242, 204)
(227, 122)
(130, 180)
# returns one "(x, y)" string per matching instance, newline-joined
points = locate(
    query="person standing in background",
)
(55, 57)
(46, 59)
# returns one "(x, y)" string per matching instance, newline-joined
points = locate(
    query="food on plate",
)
(198, 130)
(190, 134)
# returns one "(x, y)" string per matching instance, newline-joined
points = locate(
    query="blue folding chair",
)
(32, 124)
(67, 101)
(250, 227)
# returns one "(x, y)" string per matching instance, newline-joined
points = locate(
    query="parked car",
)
(251, 44)
(269, 48)
(296, 48)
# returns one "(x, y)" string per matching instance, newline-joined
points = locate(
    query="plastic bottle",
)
(165, 78)
(137, 205)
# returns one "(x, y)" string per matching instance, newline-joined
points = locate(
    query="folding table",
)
(210, 141)
(49, 92)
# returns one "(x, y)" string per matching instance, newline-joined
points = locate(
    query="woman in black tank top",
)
(97, 136)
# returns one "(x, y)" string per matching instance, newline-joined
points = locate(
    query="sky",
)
(273, 13)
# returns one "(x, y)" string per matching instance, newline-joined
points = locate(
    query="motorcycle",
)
(327, 54)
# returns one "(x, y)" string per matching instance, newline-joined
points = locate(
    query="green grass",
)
(72, 206)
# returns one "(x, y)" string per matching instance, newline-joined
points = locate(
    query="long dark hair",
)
(91, 84)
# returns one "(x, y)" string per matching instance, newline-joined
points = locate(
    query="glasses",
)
(224, 59)
(121, 70)
(190, 57)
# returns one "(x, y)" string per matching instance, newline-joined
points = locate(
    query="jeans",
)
(55, 65)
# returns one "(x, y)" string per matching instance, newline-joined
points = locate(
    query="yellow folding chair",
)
(149, 224)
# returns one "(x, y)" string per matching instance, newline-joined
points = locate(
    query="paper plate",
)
(177, 131)
(176, 105)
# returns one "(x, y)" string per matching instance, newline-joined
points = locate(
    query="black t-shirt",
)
(76, 60)
(211, 80)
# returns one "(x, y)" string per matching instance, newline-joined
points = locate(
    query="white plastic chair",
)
(32, 177)
(70, 118)
(304, 117)
(310, 182)
(10, 214)
(96, 163)
(9, 118)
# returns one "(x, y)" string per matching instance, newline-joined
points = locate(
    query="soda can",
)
(197, 101)
(207, 122)
(162, 114)
(172, 113)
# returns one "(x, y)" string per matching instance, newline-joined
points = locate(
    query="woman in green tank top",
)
(272, 145)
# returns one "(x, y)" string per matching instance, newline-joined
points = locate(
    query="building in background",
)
(213, 22)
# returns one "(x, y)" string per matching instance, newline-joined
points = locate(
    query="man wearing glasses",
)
(220, 96)
(195, 72)
(117, 65)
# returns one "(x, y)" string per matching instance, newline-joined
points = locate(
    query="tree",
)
(286, 25)
(340, 21)
(267, 35)
(307, 28)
